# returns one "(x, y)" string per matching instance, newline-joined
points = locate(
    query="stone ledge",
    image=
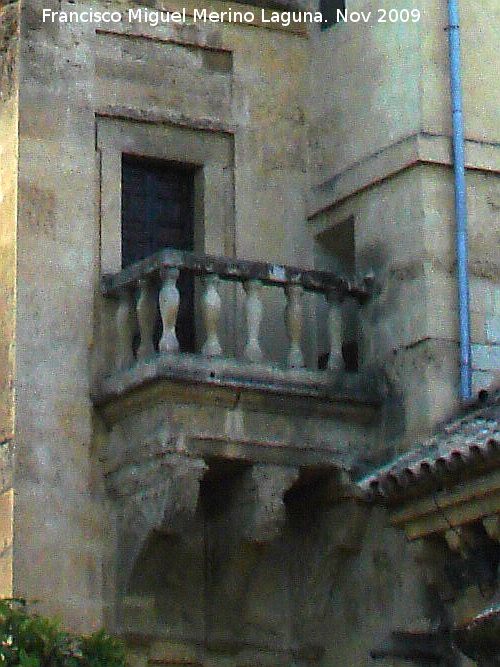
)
(239, 270)
(313, 456)
(142, 32)
(405, 153)
(158, 648)
(192, 369)
(159, 116)
(266, 452)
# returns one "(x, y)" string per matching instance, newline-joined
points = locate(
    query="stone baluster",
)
(146, 316)
(350, 332)
(169, 299)
(125, 328)
(293, 320)
(253, 311)
(335, 360)
(211, 312)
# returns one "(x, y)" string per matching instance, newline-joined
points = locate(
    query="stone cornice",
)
(405, 153)
(449, 509)
(191, 377)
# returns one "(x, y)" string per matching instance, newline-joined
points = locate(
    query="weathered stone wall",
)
(387, 165)
(364, 88)
(328, 590)
(59, 517)
(239, 81)
(9, 46)
(295, 113)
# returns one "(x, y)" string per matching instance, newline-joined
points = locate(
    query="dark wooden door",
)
(158, 213)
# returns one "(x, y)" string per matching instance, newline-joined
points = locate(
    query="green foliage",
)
(30, 640)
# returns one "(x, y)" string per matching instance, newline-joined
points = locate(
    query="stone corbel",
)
(155, 496)
(267, 485)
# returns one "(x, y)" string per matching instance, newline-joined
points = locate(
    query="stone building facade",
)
(207, 489)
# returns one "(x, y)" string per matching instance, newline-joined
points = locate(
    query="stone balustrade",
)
(148, 290)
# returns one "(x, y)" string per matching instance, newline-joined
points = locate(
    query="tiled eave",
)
(461, 449)
(452, 479)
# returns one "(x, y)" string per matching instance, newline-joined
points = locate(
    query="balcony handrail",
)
(150, 287)
(235, 269)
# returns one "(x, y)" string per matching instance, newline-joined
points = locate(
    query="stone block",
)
(492, 326)
(6, 572)
(481, 300)
(6, 519)
(484, 380)
(479, 328)
(173, 653)
(486, 357)
(496, 298)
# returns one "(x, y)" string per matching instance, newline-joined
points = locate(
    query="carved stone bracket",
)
(268, 485)
(159, 495)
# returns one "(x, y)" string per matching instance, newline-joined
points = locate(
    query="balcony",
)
(262, 409)
(144, 298)
(225, 436)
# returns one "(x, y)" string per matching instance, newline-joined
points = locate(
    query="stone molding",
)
(236, 376)
(161, 116)
(476, 499)
(406, 153)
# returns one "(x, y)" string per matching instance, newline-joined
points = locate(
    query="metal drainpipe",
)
(460, 202)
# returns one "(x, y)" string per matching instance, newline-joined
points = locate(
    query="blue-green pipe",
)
(460, 202)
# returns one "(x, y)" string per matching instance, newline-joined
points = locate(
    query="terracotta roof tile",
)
(468, 441)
